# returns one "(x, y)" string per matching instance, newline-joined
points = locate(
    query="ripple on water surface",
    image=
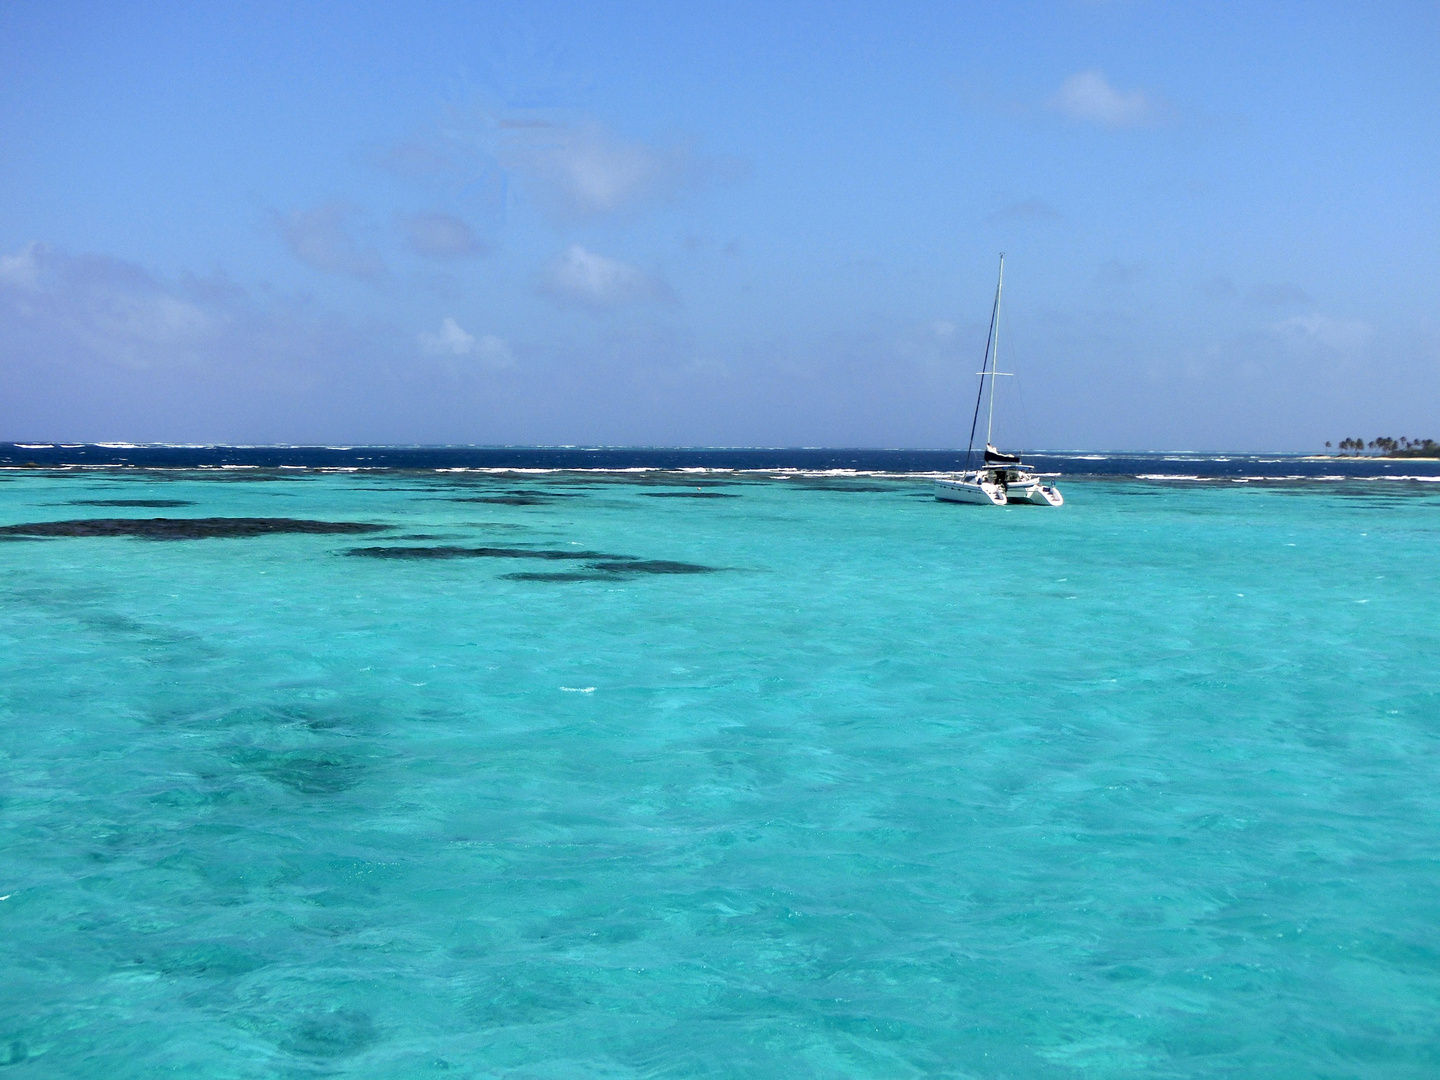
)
(827, 780)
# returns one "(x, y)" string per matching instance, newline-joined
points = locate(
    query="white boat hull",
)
(970, 491)
(987, 489)
(1044, 495)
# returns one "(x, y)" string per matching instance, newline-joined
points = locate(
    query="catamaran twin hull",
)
(1004, 479)
(991, 489)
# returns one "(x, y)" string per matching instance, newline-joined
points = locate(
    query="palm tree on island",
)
(1386, 446)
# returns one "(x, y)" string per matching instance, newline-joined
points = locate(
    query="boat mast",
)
(992, 335)
(990, 419)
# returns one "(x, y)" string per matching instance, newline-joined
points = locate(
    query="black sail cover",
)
(995, 457)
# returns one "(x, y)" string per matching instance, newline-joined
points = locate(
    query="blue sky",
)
(716, 224)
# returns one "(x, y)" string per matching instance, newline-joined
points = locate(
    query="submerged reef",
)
(448, 552)
(186, 528)
(503, 500)
(652, 566)
(518, 497)
(153, 504)
(598, 565)
(610, 571)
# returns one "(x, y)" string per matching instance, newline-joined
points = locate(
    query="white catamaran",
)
(1002, 478)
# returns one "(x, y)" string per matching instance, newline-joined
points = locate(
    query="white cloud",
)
(1088, 96)
(454, 340)
(583, 277)
(451, 339)
(321, 238)
(441, 236)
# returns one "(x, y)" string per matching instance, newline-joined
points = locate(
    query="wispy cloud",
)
(453, 340)
(587, 171)
(322, 238)
(1088, 96)
(1346, 336)
(22, 270)
(97, 347)
(572, 168)
(441, 236)
(582, 277)
(107, 308)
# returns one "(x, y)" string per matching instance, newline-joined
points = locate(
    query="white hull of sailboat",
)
(1044, 495)
(970, 488)
(970, 491)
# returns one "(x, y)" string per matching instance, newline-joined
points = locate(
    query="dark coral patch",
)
(428, 552)
(186, 528)
(502, 500)
(448, 552)
(569, 575)
(155, 504)
(308, 774)
(517, 497)
(616, 570)
(652, 566)
(598, 565)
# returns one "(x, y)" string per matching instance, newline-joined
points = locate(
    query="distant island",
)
(1388, 447)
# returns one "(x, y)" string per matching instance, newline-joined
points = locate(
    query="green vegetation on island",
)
(1385, 446)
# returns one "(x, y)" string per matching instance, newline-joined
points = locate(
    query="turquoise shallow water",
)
(1147, 786)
